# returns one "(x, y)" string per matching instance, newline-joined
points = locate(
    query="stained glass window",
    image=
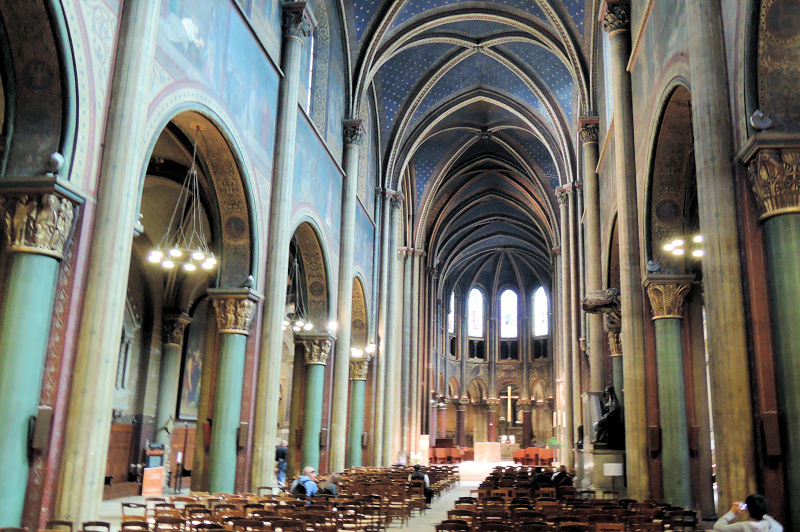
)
(540, 312)
(475, 313)
(451, 316)
(508, 314)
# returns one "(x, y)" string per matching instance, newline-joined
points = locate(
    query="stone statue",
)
(609, 431)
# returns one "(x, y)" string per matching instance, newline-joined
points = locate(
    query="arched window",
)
(540, 312)
(475, 313)
(451, 314)
(508, 314)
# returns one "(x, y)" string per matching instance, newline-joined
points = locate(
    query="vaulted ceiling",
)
(478, 105)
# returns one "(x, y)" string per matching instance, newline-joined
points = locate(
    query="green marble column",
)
(234, 311)
(775, 176)
(359, 366)
(25, 314)
(317, 348)
(667, 294)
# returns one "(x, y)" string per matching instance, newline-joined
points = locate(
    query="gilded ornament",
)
(589, 134)
(359, 367)
(526, 405)
(492, 403)
(37, 223)
(614, 343)
(775, 178)
(317, 350)
(234, 314)
(562, 194)
(617, 18)
(666, 298)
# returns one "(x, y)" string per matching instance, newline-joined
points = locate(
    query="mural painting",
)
(193, 363)
(364, 245)
(266, 19)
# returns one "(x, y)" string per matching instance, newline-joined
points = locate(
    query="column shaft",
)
(442, 420)
(566, 329)
(88, 422)
(295, 27)
(24, 335)
(722, 276)
(312, 414)
(390, 350)
(359, 367)
(491, 419)
(405, 366)
(574, 311)
(461, 424)
(617, 23)
(416, 353)
(383, 335)
(341, 359)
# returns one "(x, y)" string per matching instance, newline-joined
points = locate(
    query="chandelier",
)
(184, 244)
(296, 317)
(686, 246)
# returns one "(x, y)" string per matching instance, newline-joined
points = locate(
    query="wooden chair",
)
(168, 523)
(681, 519)
(645, 527)
(97, 526)
(527, 526)
(452, 524)
(495, 527)
(571, 526)
(288, 525)
(61, 524)
(609, 527)
(14, 529)
(135, 526)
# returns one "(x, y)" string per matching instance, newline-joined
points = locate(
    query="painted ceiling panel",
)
(483, 71)
(483, 147)
(363, 10)
(475, 29)
(400, 74)
(549, 68)
(415, 7)
(577, 10)
(535, 151)
(429, 156)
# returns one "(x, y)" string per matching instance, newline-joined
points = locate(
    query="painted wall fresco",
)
(336, 92)
(193, 363)
(265, 18)
(317, 184)
(365, 241)
(366, 161)
(779, 57)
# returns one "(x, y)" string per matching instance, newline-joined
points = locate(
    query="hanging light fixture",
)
(296, 318)
(184, 245)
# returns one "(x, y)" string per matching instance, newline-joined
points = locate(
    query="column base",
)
(594, 477)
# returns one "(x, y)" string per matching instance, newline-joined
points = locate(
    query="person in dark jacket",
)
(306, 484)
(419, 475)
(280, 457)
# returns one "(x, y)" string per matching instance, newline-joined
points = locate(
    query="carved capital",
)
(667, 296)
(775, 178)
(353, 131)
(614, 343)
(562, 194)
(37, 223)
(295, 20)
(234, 309)
(396, 201)
(359, 366)
(173, 328)
(589, 133)
(617, 18)
(492, 403)
(316, 349)
(460, 403)
(526, 405)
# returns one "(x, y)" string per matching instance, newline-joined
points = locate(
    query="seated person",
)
(419, 475)
(755, 508)
(562, 478)
(306, 484)
(330, 485)
(542, 478)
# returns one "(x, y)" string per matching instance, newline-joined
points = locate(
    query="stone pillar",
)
(88, 418)
(234, 310)
(526, 405)
(353, 134)
(383, 331)
(461, 421)
(574, 312)
(359, 367)
(492, 403)
(390, 349)
(722, 276)
(405, 366)
(566, 355)
(617, 24)
(416, 350)
(613, 329)
(591, 195)
(297, 23)
(173, 328)
(316, 348)
(775, 177)
(442, 417)
(666, 294)
(36, 229)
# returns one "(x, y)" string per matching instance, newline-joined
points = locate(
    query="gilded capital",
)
(614, 343)
(526, 405)
(173, 328)
(234, 314)
(295, 19)
(492, 403)
(775, 178)
(589, 133)
(617, 18)
(460, 403)
(353, 131)
(317, 349)
(359, 367)
(667, 296)
(562, 194)
(37, 223)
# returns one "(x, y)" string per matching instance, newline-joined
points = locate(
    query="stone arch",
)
(477, 390)
(453, 387)
(314, 270)
(359, 317)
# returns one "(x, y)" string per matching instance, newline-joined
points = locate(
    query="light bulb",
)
(156, 255)
(207, 266)
(698, 253)
(333, 326)
(355, 352)
(198, 256)
(697, 238)
(168, 264)
(678, 251)
(211, 260)
(189, 267)
(308, 326)
(370, 348)
(296, 328)
(678, 242)
(299, 323)
(668, 247)
(154, 258)
(285, 323)
(175, 252)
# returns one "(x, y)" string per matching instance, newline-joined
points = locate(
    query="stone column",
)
(775, 177)
(383, 331)
(574, 312)
(316, 347)
(612, 323)
(526, 405)
(591, 195)
(390, 350)
(461, 421)
(36, 229)
(667, 294)
(297, 23)
(566, 326)
(359, 367)
(234, 310)
(416, 350)
(722, 277)
(173, 328)
(462, 325)
(492, 403)
(617, 24)
(442, 418)
(353, 134)
(405, 366)
(88, 418)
